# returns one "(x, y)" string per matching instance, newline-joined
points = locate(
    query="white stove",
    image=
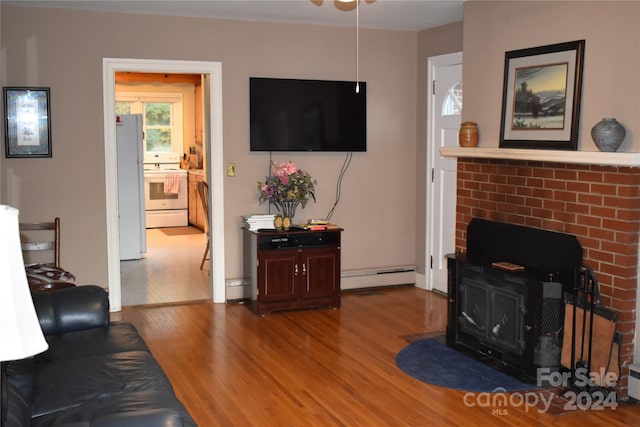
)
(165, 191)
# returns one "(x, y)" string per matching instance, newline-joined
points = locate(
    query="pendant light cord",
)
(357, 46)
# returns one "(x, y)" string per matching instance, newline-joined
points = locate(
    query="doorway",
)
(212, 118)
(168, 109)
(443, 123)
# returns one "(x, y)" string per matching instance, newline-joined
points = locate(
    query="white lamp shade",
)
(20, 332)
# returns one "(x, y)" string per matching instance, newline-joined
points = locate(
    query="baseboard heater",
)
(369, 278)
(238, 289)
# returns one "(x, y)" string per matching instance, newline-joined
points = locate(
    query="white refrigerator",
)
(131, 214)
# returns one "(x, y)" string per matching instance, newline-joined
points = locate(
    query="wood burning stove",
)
(506, 293)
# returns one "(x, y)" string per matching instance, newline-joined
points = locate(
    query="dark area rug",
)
(180, 231)
(435, 363)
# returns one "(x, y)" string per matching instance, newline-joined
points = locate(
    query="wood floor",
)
(170, 270)
(322, 367)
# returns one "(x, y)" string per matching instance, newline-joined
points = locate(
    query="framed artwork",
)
(541, 97)
(27, 129)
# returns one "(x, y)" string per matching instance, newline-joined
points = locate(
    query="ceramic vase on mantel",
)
(608, 134)
(468, 135)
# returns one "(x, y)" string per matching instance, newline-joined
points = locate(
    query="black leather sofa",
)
(96, 373)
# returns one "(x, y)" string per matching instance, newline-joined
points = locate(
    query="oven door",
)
(155, 197)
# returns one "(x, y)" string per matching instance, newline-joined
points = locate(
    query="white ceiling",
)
(404, 15)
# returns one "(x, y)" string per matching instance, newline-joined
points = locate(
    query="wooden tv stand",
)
(292, 269)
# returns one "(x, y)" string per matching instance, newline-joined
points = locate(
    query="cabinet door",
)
(277, 275)
(196, 214)
(320, 276)
(193, 199)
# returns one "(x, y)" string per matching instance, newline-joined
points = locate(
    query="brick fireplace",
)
(600, 205)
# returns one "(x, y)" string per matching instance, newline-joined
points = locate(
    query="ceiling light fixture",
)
(344, 5)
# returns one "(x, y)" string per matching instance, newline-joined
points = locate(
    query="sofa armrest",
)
(72, 309)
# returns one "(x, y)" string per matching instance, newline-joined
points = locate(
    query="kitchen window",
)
(161, 119)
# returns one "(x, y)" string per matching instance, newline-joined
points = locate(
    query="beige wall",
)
(611, 87)
(432, 42)
(63, 50)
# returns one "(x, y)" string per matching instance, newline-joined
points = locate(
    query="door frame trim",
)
(215, 170)
(432, 62)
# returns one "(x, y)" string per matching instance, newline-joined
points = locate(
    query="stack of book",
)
(319, 224)
(259, 221)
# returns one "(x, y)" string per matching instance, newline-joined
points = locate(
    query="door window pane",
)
(452, 105)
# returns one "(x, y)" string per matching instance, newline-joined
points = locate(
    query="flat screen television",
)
(307, 115)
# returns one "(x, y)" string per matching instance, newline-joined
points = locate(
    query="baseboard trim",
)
(421, 281)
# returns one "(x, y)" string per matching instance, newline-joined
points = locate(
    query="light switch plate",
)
(231, 169)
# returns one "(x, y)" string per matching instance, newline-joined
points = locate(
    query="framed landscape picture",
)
(27, 122)
(541, 97)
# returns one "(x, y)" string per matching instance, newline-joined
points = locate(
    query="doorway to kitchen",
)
(165, 149)
(212, 143)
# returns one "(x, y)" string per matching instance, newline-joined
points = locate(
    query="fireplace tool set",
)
(590, 347)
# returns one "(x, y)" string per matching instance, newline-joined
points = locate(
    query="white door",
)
(445, 108)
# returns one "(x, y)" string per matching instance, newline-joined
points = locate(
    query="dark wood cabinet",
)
(292, 269)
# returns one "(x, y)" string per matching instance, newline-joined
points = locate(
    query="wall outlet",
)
(231, 169)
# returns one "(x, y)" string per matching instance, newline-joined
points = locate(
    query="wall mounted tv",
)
(307, 115)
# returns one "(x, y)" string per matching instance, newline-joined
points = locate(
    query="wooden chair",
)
(203, 191)
(50, 234)
(41, 250)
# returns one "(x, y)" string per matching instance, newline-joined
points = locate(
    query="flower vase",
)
(288, 211)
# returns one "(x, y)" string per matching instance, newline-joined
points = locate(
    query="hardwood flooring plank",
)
(321, 367)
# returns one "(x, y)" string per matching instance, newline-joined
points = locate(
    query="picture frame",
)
(541, 97)
(27, 131)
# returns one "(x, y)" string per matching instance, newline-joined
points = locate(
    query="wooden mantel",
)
(557, 156)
